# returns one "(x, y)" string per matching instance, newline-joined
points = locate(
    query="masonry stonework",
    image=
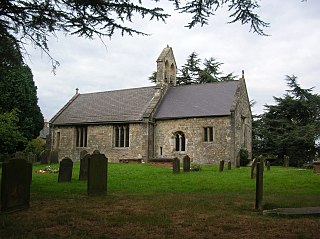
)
(198, 150)
(100, 137)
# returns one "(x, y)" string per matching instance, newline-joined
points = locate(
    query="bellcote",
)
(166, 67)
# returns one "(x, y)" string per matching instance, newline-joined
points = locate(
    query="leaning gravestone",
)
(176, 165)
(53, 156)
(254, 169)
(65, 170)
(97, 174)
(83, 174)
(186, 163)
(15, 185)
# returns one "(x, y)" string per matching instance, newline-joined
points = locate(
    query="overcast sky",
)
(125, 62)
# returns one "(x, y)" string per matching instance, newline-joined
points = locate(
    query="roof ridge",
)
(126, 89)
(209, 83)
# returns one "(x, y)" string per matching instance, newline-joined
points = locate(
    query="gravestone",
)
(32, 158)
(176, 165)
(19, 155)
(83, 174)
(83, 153)
(97, 175)
(221, 166)
(15, 185)
(44, 155)
(229, 165)
(254, 169)
(96, 152)
(53, 156)
(259, 184)
(286, 160)
(268, 165)
(186, 163)
(65, 170)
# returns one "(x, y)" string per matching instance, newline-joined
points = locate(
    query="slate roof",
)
(110, 106)
(211, 99)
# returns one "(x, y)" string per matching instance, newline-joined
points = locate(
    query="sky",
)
(292, 48)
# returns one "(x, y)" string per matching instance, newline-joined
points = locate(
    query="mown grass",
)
(145, 201)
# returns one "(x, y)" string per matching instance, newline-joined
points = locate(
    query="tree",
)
(17, 89)
(35, 20)
(195, 73)
(11, 138)
(291, 127)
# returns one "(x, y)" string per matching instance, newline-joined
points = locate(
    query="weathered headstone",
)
(286, 160)
(53, 156)
(259, 185)
(65, 170)
(96, 152)
(186, 163)
(19, 155)
(176, 165)
(44, 156)
(229, 165)
(83, 174)
(221, 165)
(268, 165)
(83, 153)
(254, 169)
(15, 185)
(32, 158)
(97, 175)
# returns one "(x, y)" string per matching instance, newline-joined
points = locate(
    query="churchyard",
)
(144, 201)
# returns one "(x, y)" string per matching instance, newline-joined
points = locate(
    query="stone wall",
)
(242, 124)
(198, 150)
(100, 137)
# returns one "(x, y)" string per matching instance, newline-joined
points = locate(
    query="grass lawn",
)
(146, 201)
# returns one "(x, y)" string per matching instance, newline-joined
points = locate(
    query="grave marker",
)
(97, 174)
(15, 185)
(229, 165)
(83, 174)
(186, 163)
(286, 160)
(221, 166)
(259, 185)
(176, 165)
(65, 170)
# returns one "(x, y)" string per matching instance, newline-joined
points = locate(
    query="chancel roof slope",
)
(109, 106)
(211, 99)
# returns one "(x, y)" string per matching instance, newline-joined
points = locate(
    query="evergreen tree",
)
(291, 126)
(36, 20)
(18, 91)
(194, 72)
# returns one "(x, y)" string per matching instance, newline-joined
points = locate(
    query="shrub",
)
(35, 146)
(195, 167)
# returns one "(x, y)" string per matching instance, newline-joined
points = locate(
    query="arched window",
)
(172, 74)
(180, 141)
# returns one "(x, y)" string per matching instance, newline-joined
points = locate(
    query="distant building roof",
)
(109, 106)
(200, 100)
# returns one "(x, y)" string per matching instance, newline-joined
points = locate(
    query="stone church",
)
(209, 122)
